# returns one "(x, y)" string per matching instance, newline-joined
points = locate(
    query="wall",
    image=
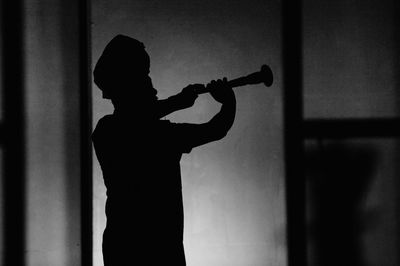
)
(233, 189)
(52, 112)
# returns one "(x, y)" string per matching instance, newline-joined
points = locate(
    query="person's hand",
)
(221, 91)
(187, 96)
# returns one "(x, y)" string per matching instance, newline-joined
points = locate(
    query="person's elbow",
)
(221, 134)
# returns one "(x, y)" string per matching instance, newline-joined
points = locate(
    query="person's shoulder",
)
(178, 135)
(176, 128)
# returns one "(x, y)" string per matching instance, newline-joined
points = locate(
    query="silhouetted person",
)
(139, 155)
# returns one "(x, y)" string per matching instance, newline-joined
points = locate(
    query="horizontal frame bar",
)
(352, 128)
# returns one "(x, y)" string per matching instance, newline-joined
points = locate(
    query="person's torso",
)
(141, 171)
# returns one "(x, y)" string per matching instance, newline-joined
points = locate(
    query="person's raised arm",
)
(182, 100)
(219, 125)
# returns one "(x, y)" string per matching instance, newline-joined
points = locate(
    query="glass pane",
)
(351, 64)
(233, 189)
(353, 209)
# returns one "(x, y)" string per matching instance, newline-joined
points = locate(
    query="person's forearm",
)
(217, 127)
(223, 120)
(182, 100)
(167, 106)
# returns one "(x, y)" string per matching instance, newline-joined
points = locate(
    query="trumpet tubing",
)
(263, 76)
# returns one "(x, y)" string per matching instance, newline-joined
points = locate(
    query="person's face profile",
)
(138, 93)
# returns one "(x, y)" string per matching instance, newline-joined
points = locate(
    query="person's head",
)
(122, 73)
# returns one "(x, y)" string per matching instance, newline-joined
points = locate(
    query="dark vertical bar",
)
(86, 129)
(293, 135)
(14, 124)
(396, 56)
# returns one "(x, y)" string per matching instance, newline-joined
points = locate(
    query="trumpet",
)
(264, 76)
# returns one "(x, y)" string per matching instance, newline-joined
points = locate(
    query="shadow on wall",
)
(339, 177)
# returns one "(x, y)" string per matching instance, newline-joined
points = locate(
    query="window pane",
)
(351, 61)
(353, 209)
